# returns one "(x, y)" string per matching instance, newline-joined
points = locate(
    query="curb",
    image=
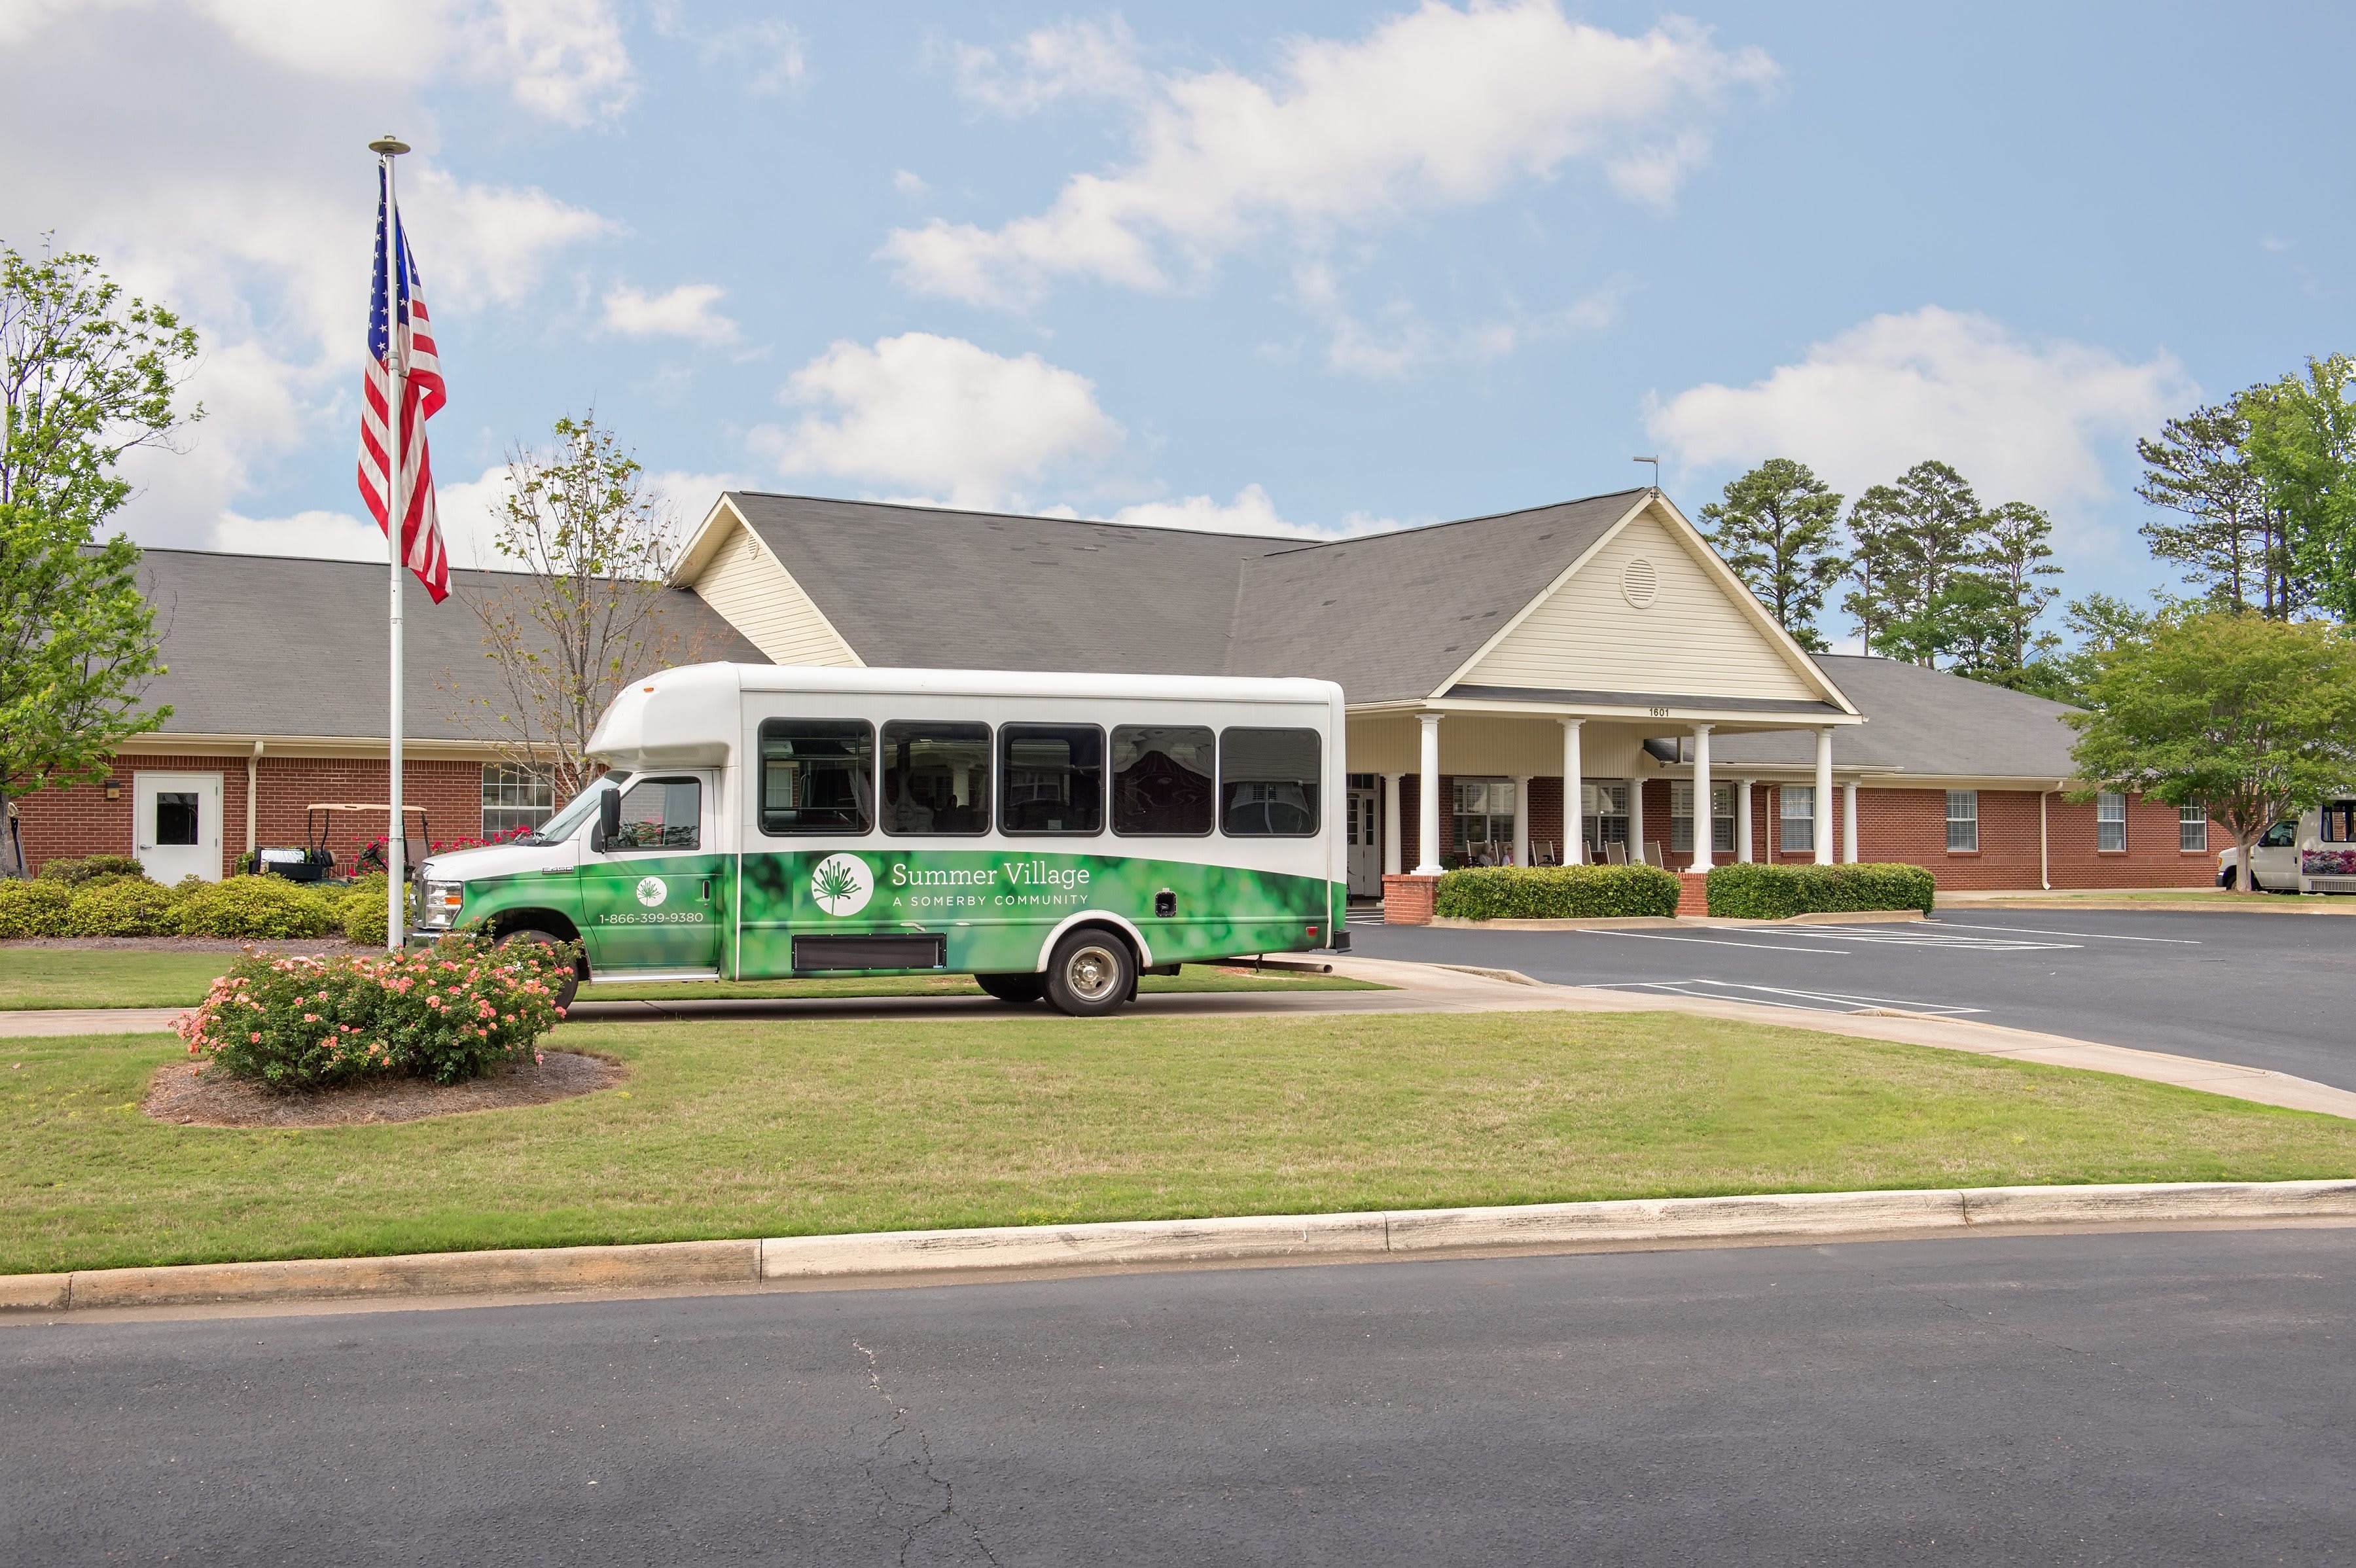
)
(945, 1255)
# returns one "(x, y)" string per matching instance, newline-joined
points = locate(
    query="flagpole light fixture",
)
(388, 144)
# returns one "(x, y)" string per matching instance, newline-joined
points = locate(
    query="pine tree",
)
(1915, 539)
(2231, 543)
(1775, 529)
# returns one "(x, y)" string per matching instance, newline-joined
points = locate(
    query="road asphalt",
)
(2181, 1397)
(2261, 989)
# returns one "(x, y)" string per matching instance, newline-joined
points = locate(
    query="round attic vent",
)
(1640, 583)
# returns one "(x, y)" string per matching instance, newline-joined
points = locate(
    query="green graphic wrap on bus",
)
(996, 908)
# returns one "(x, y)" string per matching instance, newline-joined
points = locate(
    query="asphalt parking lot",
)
(2274, 991)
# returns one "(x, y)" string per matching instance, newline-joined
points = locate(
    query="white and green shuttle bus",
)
(1052, 835)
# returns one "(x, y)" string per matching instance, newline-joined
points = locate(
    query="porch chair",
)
(1615, 853)
(1653, 855)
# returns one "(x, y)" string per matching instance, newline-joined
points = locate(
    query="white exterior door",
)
(1365, 843)
(177, 827)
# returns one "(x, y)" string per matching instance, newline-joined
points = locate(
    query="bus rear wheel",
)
(564, 993)
(1019, 989)
(1091, 974)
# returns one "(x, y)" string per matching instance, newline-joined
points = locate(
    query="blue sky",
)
(1317, 268)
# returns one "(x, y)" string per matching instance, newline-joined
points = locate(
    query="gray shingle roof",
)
(1922, 721)
(1389, 615)
(271, 645)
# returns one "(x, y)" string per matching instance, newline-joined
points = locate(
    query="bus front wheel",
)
(571, 985)
(1020, 989)
(1091, 974)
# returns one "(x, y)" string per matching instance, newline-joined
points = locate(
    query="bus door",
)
(654, 896)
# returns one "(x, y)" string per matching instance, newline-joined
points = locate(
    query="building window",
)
(515, 799)
(1602, 816)
(1722, 817)
(2110, 822)
(1484, 820)
(1963, 822)
(1799, 818)
(2192, 828)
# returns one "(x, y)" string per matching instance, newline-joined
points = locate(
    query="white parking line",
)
(1805, 1001)
(1908, 936)
(1714, 942)
(2091, 936)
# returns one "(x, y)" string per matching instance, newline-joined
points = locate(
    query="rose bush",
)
(453, 1011)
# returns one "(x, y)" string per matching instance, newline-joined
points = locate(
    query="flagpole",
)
(396, 841)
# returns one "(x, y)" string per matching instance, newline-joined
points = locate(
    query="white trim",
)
(1098, 917)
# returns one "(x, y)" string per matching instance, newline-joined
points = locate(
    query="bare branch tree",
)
(595, 613)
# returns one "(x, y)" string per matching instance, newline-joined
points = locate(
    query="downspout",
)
(253, 787)
(2044, 864)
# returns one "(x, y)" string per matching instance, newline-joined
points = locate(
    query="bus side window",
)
(2340, 823)
(935, 777)
(1268, 782)
(1162, 780)
(817, 776)
(1054, 778)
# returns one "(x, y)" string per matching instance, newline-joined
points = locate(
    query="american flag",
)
(420, 538)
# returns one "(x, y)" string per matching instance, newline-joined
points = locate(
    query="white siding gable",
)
(1690, 639)
(760, 598)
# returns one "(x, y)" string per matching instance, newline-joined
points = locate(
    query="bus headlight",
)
(440, 906)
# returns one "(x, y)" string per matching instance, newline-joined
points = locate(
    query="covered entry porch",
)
(1510, 779)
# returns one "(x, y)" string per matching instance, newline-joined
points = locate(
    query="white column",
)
(1521, 819)
(1705, 820)
(1848, 821)
(1574, 832)
(1391, 824)
(1742, 788)
(1824, 797)
(1636, 818)
(1426, 805)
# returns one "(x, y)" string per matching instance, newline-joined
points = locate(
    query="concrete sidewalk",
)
(1419, 988)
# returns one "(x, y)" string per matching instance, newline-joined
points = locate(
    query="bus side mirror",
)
(609, 820)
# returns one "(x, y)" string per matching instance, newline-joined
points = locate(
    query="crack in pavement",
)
(893, 1460)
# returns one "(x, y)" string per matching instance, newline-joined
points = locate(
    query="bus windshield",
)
(560, 827)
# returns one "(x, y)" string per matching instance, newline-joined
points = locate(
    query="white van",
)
(2312, 853)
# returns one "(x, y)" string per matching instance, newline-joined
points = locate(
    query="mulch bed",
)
(214, 1098)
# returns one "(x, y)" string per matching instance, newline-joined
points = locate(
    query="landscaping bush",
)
(122, 906)
(267, 907)
(1758, 892)
(1554, 892)
(76, 874)
(361, 910)
(34, 908)
(453, 1011)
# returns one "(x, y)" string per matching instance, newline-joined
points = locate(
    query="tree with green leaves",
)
(87, 374)
(2016, 555)
(1916, 539)
(1776, 527)
(2250, 719)
(2229, 540)
(594, 612)
(2302, 445)
(2100, 622)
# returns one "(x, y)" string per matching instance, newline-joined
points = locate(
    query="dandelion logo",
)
(841, 883)
(651, 891)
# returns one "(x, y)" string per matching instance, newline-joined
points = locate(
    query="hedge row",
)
(1760, 892)
(1554, 892)
(109, 904)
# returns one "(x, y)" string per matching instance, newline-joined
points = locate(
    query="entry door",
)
(1365, 843)
(177, 826)
(654, 899)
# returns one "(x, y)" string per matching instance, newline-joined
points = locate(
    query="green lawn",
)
(771, 1128)
(92, 977)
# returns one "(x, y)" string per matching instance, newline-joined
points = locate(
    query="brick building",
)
(1558, 683)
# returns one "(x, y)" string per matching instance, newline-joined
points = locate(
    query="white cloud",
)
(1398, 341)
(1438, 108)
(327, 535)
(2020, 421)
(768, 55)
(1070, 59)
(1250, 512)
(940, 415)
(908, 182)
(685, 312)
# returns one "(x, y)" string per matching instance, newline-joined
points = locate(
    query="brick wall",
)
(61, 823)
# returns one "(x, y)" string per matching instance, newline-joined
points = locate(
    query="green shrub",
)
(267, 907)
(34, 908)
(186, 885)
(122, 906)
(77, 874)
(455, 1010)
(1556, 892)
(360, 911)
(1760, 892)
